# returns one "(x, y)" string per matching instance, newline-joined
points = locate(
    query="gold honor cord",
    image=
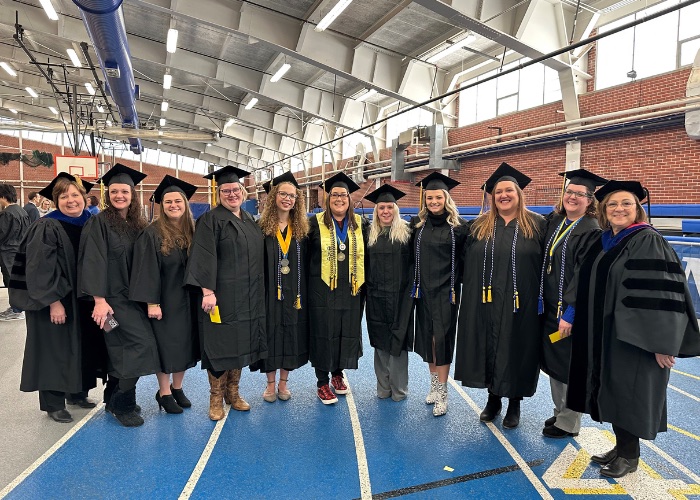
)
(284, 242)
(558, 240)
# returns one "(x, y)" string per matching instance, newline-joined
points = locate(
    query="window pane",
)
(531, 86)
(486, 101)
(508, 104)
(690, 24)
(467, 106)
(689, 50)
(508, 84)
(552, 87)
(655, 46)
(614, 56)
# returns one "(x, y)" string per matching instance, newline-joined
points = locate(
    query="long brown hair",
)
(482, 228)
(269, 220)
(328, 217)
(135, 220)
(177, 233)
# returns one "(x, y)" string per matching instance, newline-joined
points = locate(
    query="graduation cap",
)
(227, 175)
(340, 180)
(171, 184)
(47, 192)
(385, 193)
(121, 174)
(505, 172)
(285, 177)
(583, 177)
(633, 187)
(436, 180)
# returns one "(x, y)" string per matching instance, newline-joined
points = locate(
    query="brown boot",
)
(216, 394)
(233, 398)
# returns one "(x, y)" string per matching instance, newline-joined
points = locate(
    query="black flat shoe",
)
(620, 467)
(493, 408)
(168, 403)
(61, 416)
(83, 403)
(555, 432)
(550, 421)
(180, 397)
(605, 458)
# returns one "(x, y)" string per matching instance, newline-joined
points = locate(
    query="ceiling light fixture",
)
(229, 122)
(8, 69)
(48, 8)
(160, 142)
(90, 88)
(100, 109)
(251, 103)
(452, 48)
(53, 110)
(366, 95)
(280, 72)
(167, 81)
(332, 14)
(164, 106)
(13, 111)
(162, 122)
(171, 42)
(74, 58)
(108, 123)
(31, 92)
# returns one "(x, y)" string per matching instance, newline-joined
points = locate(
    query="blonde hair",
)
(453, 218)
(244, 191)
(641, 215)
(269, 220)
(175, 233)
(482, 228)
(398, 231)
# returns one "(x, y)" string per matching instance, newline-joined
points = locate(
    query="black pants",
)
(627, 443)
(114, 383)
(56, 400)
(323, 378)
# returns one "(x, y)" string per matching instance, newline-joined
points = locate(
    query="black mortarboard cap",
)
(47, 192)
(505, 172)
(285, 177)
(340, 180)
(633, 187)
(436, 180)
(170, 184)
(385, 193)
(583, 177)
(227, 174)
(121, 174)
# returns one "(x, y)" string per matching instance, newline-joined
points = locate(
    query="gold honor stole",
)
(329, 255)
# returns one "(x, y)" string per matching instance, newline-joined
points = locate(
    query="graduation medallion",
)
(285, 270)
(341, 246)
(284, 263)
(341, 256)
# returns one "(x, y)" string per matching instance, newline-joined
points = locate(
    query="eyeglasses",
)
(625, 204)
(341, 196)
(287, 196)
(577, 194)
(227, 192)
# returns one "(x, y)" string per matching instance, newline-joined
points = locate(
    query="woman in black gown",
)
(157, 279)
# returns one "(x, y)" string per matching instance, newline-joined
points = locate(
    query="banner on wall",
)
(688, 250)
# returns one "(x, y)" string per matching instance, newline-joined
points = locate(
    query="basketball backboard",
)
(82, 166)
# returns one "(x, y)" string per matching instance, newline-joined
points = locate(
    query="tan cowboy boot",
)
(216, 394)
(233, 398)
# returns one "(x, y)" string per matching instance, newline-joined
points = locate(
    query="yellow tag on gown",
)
(214, 315)
(555, 337)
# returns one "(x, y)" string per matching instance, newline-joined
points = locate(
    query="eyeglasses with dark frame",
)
(577, 194)
(287, 196)
(227, 192)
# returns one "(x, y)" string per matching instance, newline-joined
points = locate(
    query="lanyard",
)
(284, 242)
(561, 236)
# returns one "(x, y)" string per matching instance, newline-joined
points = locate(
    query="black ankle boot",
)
(512, 418)
(123, 405)
(168, 402)
(493, 408)
(180, 397)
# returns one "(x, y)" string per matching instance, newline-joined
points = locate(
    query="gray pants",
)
(567, 420)
(392, 374)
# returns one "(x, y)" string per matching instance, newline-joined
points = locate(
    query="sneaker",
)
(339, 385)
(12, 316)
(326, 395)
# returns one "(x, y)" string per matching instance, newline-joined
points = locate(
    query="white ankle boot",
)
(440, 407)
(433, 394)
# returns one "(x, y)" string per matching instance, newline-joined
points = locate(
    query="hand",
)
(665, 360)
(564, 328)
(99, 313)
(208, 303)
(154, 312)
(57, 313)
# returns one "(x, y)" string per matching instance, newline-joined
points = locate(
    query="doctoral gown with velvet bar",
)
(227, 256)
(631, 302)
(159, 279)
(497, 348)
(106, 257)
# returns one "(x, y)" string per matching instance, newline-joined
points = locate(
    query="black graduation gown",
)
(65, 358)
(105, 263)
(227, 256)
(14, 222)
(335, 317)
(497, 348)
(388, 290)
(159, 279)
(631, 302)
(436, 316)
(555, 356)
(287, 327)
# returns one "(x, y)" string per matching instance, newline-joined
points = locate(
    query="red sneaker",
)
(339, 385)
(326, 395)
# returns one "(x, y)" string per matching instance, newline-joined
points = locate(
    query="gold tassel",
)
(559, 310)
(483, 295)
(453, 297)
(103, 202)
(297, 302)
(489, 295)
(420, 198)
(279, 292)
(517, 301)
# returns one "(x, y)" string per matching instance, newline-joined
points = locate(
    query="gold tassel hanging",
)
(453, 296)
(297, 302)
(517, 301)
(420, 198)
(483, 295)
(279, 292)
(103, 201)
(559, 310)
(489, 299)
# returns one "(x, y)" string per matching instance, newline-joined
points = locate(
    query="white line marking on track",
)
(683, 392)
(47, 454)
(363, 468)
(204, 458)
(531, 476)
(672, 461)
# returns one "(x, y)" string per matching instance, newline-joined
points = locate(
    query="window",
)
(297, 164)
(414, 118)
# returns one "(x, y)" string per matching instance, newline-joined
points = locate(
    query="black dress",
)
(105, 264)
(497, 348)
(227, 256)
(287, 326)
(159, 279)
(436, 315)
